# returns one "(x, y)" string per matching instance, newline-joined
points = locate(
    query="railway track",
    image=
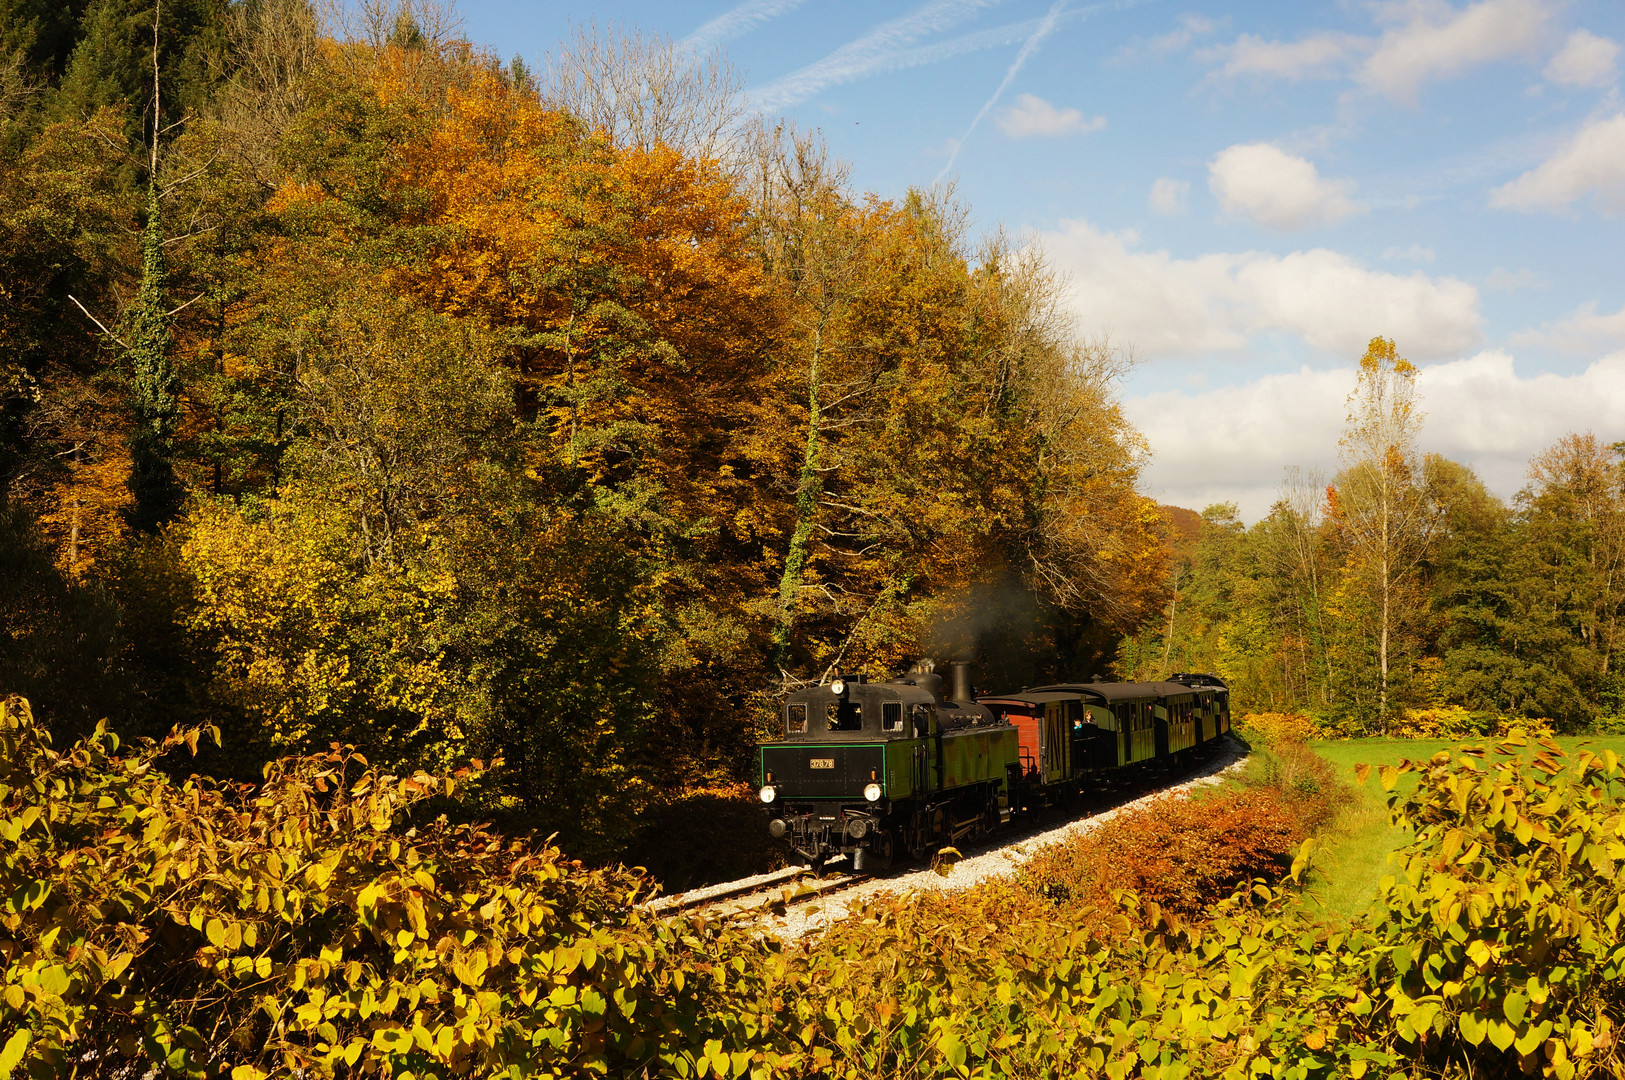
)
(750, 896)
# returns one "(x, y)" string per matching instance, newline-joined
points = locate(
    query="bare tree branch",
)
(97, 321)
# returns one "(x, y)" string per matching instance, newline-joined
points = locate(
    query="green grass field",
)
(1357, 845)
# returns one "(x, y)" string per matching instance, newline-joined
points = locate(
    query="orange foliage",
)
(628, 267)
(1181, 853)
(85, 512)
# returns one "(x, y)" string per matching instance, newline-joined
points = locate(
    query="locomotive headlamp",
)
(872, 792)
(768, 793)
(838, 687)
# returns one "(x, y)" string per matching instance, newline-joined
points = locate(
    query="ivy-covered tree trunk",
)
(155, 385)
(807, 493)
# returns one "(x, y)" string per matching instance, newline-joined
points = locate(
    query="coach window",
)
(795, 719)
(891, 715)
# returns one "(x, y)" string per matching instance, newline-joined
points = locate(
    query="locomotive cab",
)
(864, 769)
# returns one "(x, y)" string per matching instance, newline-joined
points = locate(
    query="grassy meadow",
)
(1356, 846)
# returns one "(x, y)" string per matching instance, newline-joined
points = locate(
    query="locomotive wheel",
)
(880, 850)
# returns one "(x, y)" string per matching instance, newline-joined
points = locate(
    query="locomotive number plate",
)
(821, 763)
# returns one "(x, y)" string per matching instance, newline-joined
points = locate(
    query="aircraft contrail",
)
(738, 21)
(1044, 30)
(866, 55)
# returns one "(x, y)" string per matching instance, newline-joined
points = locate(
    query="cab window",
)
(891, 715)
(795, 720)
(843, 716)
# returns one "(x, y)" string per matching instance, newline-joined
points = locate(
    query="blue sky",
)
(1243, 193)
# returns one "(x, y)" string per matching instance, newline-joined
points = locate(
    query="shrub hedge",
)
(321, 924)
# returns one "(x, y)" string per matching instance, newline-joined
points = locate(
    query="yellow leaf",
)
(13, 1052)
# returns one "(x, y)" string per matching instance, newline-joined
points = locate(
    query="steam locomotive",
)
(875, 771)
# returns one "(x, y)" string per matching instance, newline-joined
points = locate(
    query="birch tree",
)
(1387, 521)
(809, 237)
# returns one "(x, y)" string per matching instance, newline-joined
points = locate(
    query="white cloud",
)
(1276, 189)
(1479, 412)
(902, 43)
(1215, 302)
(1414, 253)
(881, 49)
(1583, 331)
(1319, 56)
(1247, 436)
(1435, 41)
(1168, 196)
(1028, 47)
(1585, 60)
(1190, 28)
(1032, 115)
(1591, 163)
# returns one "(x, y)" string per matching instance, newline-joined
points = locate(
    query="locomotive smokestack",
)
(961, 684)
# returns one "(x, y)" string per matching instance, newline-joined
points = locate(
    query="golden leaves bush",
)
(1500, 948)
(319, 924)
(1281, 727)
(325, 924)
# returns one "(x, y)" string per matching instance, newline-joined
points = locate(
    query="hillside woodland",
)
(362, 388)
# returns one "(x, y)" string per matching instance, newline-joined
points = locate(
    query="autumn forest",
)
(390, 397)
(362, 387)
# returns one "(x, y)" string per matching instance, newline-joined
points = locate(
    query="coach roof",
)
(1030, 697)
(1107, 691)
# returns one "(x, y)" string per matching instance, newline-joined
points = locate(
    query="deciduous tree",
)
(1385, 519)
